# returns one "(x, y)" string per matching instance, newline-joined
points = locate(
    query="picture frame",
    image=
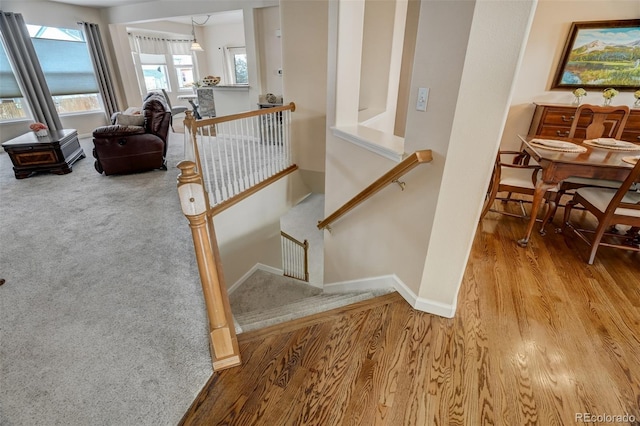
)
(600, 55)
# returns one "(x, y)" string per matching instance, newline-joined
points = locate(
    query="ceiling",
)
(219, 18)
(101, 3)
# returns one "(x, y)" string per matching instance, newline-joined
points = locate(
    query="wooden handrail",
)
(216, 120)
(418, 157)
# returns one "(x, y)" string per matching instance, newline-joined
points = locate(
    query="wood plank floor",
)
(539, 336)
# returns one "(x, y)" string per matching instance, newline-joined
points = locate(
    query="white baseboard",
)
(373, 283)
(368, 284)
(423, 304)
(256, 267)
(387, 281)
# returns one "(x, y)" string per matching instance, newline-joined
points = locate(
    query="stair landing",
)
(267, 299)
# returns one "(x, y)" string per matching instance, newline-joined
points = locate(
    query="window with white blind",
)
(12, 105)
(68, 71)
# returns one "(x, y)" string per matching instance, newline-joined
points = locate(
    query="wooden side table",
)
(53, 153)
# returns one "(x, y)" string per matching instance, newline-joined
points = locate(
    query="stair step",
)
(308, 306)
(313, 302)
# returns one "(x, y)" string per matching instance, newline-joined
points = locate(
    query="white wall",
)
(381, 63)
(549, 32)
(377, 43)
(269, 49)
(55, 15)
(424, 234)
(485, 90)
(304, 59)
(216, 37)
(389, 233)
(249, 232)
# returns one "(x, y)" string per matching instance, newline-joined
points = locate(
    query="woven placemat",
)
(614, 148)
(630, 159)
(577, 149)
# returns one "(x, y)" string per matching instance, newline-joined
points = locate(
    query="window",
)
(240, 68)
(67, 68)
(154, 71)
(183, 65)
(162, 63)
(236, 65)
(12, 105)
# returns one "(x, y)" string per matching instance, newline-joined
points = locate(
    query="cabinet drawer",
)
(633, 123)
(557, 131)
(31, 158)
(558, 117)
(631, 136)
(549, 120)
(555, 121)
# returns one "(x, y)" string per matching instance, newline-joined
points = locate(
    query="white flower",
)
(609, 93)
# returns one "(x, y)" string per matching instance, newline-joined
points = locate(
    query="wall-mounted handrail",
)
(418, 157)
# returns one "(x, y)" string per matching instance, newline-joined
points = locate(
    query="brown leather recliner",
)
(122, 149)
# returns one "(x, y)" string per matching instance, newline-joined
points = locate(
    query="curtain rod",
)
(159, 38)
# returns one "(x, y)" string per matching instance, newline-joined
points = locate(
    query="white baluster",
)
(287, 130)
(211, 176)
(243, 152)
(237, 140)
(263, 148)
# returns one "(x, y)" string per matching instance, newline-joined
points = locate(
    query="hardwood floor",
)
(539, 337)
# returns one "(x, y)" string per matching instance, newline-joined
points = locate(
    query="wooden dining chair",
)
(619, 206)
(512, 174)
(590, 122)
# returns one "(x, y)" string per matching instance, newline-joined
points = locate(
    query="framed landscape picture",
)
(601, 54)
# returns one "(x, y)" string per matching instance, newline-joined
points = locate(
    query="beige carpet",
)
(101, 317)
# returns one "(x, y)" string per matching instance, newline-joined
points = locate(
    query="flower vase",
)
(42, 133)
(607, 101)
(576, 101)
(636, 104)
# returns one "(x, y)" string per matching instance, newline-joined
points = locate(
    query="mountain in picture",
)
(604, 64)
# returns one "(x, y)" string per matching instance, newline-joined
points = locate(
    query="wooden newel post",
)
(223, 342)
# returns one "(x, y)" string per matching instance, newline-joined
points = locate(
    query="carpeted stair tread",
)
(264, 290)
(308, 306)
(313, 301)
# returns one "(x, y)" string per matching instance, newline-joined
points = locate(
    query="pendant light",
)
(195, 46)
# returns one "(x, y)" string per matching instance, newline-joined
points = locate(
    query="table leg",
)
(196, 113)
(538, 198)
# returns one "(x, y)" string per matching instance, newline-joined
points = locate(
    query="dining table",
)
(572, 157)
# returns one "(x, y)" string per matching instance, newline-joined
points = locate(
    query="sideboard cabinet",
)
(556, 119)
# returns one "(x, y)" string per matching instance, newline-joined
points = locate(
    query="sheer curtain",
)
(101, 67)
(227, 66)
(158, 45)
(28, 72)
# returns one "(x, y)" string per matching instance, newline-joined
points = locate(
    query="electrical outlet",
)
(423, 97)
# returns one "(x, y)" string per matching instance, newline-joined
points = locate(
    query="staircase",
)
(267, 299)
